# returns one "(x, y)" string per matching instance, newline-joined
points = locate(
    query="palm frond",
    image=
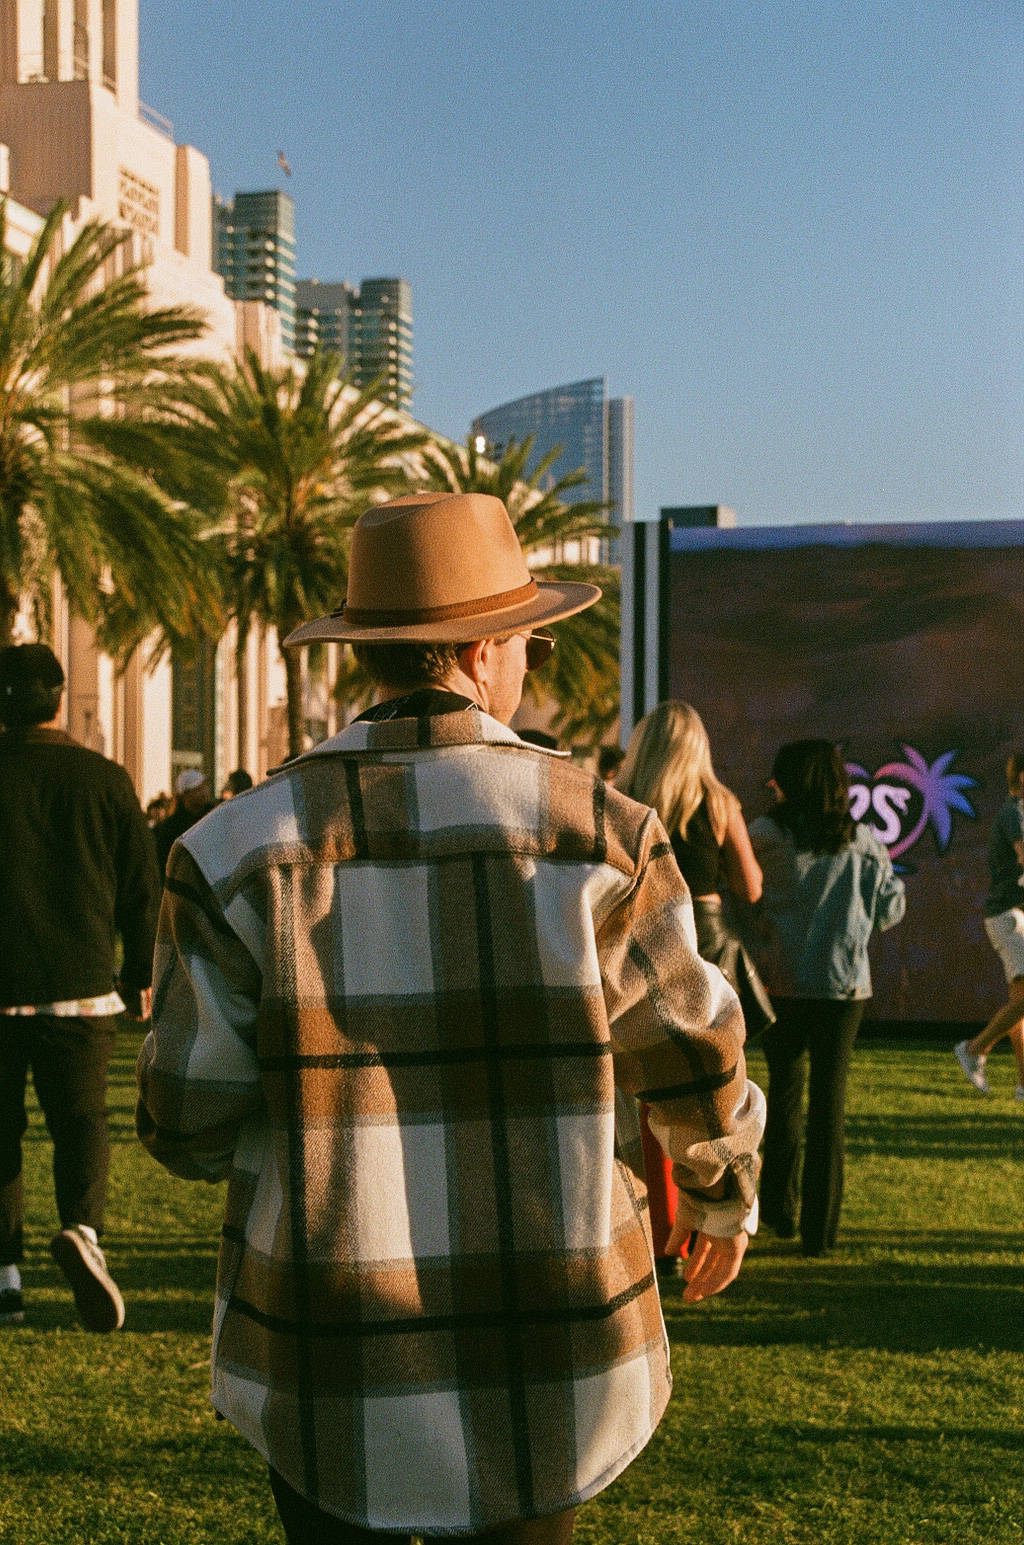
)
(299, 460)
(88, 380)
(583, 672)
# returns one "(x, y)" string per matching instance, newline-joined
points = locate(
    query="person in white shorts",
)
(1004, 924)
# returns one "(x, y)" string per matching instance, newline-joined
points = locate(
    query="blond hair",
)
(668, 766)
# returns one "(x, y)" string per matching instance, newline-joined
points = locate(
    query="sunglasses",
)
(539, 645)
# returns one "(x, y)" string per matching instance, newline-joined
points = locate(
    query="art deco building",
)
(74, 129)
(594, 431)
(71, 117)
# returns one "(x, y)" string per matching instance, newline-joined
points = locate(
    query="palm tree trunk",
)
(242, 702)
(296, 703)
(8, 610)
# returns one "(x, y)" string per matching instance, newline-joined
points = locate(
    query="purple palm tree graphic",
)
(941, 794)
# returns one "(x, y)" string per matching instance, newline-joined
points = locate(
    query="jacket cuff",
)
(722, 1220)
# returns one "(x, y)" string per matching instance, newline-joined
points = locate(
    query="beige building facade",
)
(72, 127)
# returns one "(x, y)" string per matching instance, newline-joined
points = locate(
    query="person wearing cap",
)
(237, 782)
(191, 802)
(409, 990)
(77, 874)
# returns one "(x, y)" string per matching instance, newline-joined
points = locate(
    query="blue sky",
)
(792, 231)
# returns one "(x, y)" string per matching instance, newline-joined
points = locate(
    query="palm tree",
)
(583, 674)
(84, 364)
(296, 460)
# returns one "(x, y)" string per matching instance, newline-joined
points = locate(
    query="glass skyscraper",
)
(380, 338)
(254, 249)
(323, 317)
(595, 432)
(370, 327)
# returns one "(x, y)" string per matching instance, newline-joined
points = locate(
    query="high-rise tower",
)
(255, 252)
(594, 431)
(323, 317)
(380, 338)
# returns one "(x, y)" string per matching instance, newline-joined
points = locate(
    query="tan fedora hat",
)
(441, 568)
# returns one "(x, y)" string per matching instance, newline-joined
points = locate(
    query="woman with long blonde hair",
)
(668, 766)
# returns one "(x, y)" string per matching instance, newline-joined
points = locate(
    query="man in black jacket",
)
(191, 802)
(77, 871)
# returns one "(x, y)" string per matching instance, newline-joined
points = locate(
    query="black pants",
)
(306, 1524)
(824, 1028)
(68, 1059)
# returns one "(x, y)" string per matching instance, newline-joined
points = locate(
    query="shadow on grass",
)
(943, 1302)
(120, 1129)
(167, 1283)
(222, 1453)
(144, 1316)
(786, 1433)
(982, 1134)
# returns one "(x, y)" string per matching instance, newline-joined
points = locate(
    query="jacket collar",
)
(35, 734)
(423, 703)
(468, 727)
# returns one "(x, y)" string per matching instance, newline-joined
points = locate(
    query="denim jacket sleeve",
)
(818, 912)
(891, 897)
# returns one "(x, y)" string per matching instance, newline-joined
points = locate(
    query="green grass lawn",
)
(874, 1396)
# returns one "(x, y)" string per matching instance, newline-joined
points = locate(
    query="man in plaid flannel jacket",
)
(408, 991)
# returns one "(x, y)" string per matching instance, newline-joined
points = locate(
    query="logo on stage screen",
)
(899, 800)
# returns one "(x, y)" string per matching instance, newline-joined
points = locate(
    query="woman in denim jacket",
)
(827, 885)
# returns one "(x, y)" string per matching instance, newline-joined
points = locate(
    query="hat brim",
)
(554, 600)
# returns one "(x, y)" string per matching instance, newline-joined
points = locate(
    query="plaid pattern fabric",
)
(402, 990)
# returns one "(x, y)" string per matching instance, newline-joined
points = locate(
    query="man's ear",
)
(471, 659)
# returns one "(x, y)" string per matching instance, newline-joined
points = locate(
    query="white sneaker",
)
(99, 1304)
(973, 1067)
(1018, 1093)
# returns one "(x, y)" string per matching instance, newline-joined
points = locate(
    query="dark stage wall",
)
(913, 658)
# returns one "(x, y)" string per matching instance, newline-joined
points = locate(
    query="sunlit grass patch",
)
(869, 1398)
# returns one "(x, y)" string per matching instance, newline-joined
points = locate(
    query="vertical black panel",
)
(639, 618)
(664, 617)
(193, 707)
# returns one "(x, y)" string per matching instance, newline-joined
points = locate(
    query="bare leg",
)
(1009, 1018)
(1017, 1042)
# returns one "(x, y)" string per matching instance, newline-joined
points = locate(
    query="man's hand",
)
(712, 1266)
(138, 1002)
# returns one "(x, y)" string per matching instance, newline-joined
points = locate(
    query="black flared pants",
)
(821, 1030)
(68, 1060)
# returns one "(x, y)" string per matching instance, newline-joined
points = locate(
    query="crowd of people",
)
(810, 888)
(449, 1013)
